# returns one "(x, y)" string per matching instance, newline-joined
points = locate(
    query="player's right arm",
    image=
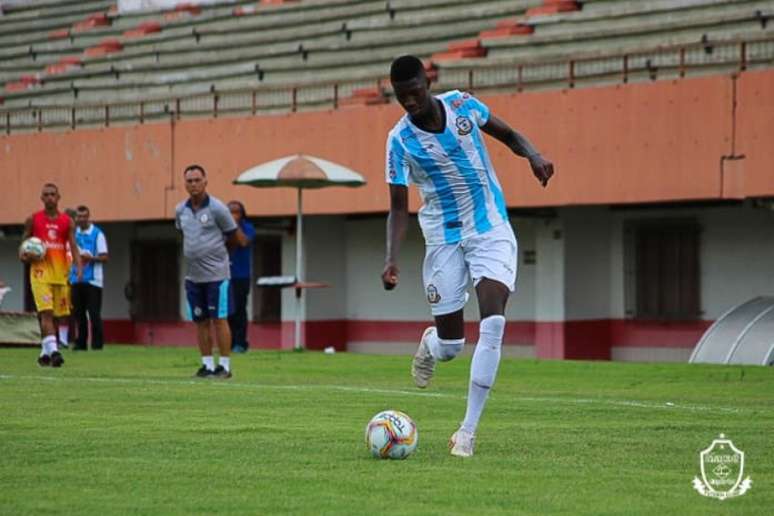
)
(397, 222)
(397, 171)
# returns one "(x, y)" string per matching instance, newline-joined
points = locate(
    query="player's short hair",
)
(51, 185)
(406, 68)
(195, 167)
(82, 209)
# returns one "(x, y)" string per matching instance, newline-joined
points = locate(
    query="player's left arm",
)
(74, 251)
(521, 146)
(235, 237)
(102, 251)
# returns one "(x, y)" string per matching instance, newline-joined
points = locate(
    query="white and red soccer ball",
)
(391, 435)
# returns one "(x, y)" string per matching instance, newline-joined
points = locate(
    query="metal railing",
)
(646, 64)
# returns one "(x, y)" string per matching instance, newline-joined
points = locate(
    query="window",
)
(663, 266)
(154, 288)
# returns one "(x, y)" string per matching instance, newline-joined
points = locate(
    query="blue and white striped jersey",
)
(460, 192)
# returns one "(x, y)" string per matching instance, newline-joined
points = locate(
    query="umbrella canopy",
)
(300, 171)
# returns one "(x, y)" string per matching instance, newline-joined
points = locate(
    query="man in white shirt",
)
(87, 292)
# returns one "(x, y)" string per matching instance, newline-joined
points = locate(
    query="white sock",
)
(209, 363)
(48, 344)
(64, 330)
(225, 362)
(483, 369)
(444, 350)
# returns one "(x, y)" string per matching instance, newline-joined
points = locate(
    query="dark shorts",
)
(210, 300)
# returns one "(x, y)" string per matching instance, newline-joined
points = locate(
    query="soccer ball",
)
(391, 435)
(34, 246)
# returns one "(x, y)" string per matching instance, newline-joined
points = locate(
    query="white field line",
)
(368, 390)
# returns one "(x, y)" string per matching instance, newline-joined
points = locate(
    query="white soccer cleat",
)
(461, 443)
(423, 365)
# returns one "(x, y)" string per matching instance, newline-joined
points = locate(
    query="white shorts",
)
(449, 268)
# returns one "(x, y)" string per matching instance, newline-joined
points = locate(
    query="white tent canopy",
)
(299, 171)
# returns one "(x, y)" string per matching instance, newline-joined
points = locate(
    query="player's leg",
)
(63, 332)
(44, 305)
(195, 294)
(221, 305)
(61, 313)
(492, 259)
(238, 319)
(445, 278)
(63, 321)
(79, 313)
(94, 307)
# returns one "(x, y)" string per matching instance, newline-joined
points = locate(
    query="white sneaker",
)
(461, 443)
(423, 365)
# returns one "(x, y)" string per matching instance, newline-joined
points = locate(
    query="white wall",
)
(117, 269)
(549, 281)
(367, 300)
(12, 274)
(325, 258)
(736, 257)
(522, 303)
(587, 242)
(578, 275)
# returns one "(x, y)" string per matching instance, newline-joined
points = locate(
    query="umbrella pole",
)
(299, 273)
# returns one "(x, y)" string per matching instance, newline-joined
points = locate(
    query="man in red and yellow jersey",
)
(48, 275)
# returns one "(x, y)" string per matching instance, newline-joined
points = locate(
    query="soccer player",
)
(207, 227)
(48, 275)
(438, 146)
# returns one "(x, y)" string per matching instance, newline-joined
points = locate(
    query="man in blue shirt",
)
(87, 292)
(241, 258)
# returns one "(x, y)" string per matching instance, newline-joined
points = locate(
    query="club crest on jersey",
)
(464, 125)
(204, 218)
(433, 297)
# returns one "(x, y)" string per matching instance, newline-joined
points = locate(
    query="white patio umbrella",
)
(299, 171)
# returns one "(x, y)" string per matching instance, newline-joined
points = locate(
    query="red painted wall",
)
(580, 340)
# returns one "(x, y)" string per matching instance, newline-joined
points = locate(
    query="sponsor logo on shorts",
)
(464, 125)
(433, 297)
(197, 311)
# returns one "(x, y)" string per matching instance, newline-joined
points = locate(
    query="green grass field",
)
(129, 431)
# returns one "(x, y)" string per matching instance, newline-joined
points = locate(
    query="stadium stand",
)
(68, 63)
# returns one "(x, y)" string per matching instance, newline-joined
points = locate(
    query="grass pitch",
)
(128, 430)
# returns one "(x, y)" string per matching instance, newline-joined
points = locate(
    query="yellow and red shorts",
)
(50, 296)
